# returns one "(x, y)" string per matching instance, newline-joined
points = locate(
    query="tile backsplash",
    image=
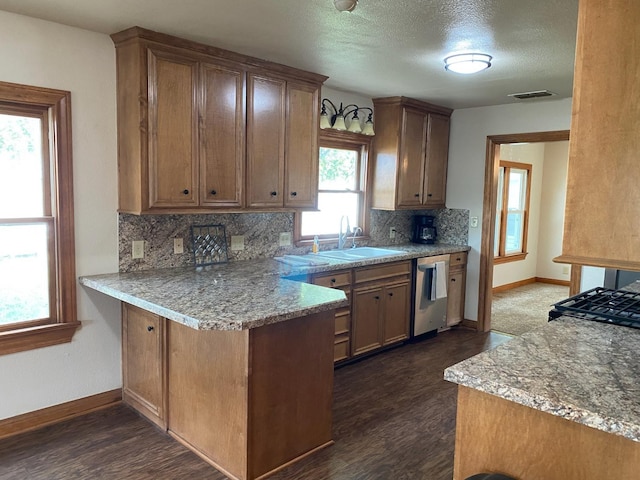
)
(261, 233)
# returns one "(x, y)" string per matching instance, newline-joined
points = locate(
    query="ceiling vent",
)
(534, 94)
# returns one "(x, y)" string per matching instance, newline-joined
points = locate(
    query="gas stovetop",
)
(618, 307)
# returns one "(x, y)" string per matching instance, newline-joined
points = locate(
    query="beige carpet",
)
(521, 309)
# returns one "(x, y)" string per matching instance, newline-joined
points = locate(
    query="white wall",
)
(46, 54)
(533, 154)
(467, 149)
(552, 203)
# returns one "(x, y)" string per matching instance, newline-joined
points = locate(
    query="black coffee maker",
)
(424, 230)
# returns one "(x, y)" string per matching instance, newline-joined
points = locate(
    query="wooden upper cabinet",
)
(603, 198)
(437, 154)
(221, 135)
(410, 154)
(200, 128)
(301, 160)
(282, 143)
(412, 148)
(265, 140)
(173, 132)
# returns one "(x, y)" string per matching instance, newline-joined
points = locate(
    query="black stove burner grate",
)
(618, 307)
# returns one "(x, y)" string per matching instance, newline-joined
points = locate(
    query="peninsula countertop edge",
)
(239, 295)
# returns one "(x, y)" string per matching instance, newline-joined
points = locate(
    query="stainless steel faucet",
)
(342, 237)
(355, 234)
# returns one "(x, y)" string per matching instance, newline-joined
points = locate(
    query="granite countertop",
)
(584, 371)
(239, 295)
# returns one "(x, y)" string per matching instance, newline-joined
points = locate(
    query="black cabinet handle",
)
(213, 192)
(273, 194)
(377, 297)
(429, 195)
(333, 280)
(391, 294)
(458, 259)
(453, 279)
(417, 195)
(293, 194)
(185, 191)
(150, 328)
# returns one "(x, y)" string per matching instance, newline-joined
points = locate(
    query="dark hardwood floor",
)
(394, 418)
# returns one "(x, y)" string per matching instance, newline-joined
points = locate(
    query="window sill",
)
(308, 242)
(23, 339)
(510, 258)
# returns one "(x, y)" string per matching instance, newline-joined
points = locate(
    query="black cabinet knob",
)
(293, 194)
(273, 194)
(417, 195)
(429, 195)
(453, 279)
(458, 259)
(185, 191)
(213, 192)
(377, 297)
(391, 294)
(150, 328)
(333, 280)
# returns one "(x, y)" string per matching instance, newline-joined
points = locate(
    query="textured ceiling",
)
(383, 48)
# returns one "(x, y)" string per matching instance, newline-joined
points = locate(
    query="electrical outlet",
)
(474, 222)
(237, 242)
(392, 233)
(137, 249)
(285, 239)
(178, 246)
(566, 269)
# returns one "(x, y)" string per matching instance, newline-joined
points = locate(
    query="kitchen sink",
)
(361, 253)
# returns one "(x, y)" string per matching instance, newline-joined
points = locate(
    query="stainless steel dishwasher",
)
(430, 294)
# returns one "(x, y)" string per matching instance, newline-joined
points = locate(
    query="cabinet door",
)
(265, 141)
(455, 296)
(396, 312)
(411, 171)
(367, 318)
(437, 154)
(173, 132)
(221, 135)
(301, 152)
(142, 366)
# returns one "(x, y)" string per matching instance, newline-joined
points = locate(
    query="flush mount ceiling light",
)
(345, 5)
(467, 62)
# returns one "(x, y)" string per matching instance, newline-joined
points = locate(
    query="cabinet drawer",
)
(343, 322)
(367, 274)
(334, 279)
(459, 258)
(341, 349)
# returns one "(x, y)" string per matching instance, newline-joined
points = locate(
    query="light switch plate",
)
(285, 239)
(237, 242)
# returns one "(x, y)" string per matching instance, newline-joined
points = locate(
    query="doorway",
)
(492, 169)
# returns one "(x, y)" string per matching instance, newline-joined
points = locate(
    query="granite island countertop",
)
(583, 371)
(242, 294)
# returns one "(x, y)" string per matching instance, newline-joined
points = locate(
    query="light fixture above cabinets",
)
(337, 120)
(345, 5)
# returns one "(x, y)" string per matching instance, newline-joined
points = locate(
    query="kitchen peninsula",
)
(557, 403)
(233, 360)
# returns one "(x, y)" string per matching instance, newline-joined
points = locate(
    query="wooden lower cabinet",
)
(499, 436)
(340, 279)
(456, 289)
(143, 366)
(381, 306)
(248, 402)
